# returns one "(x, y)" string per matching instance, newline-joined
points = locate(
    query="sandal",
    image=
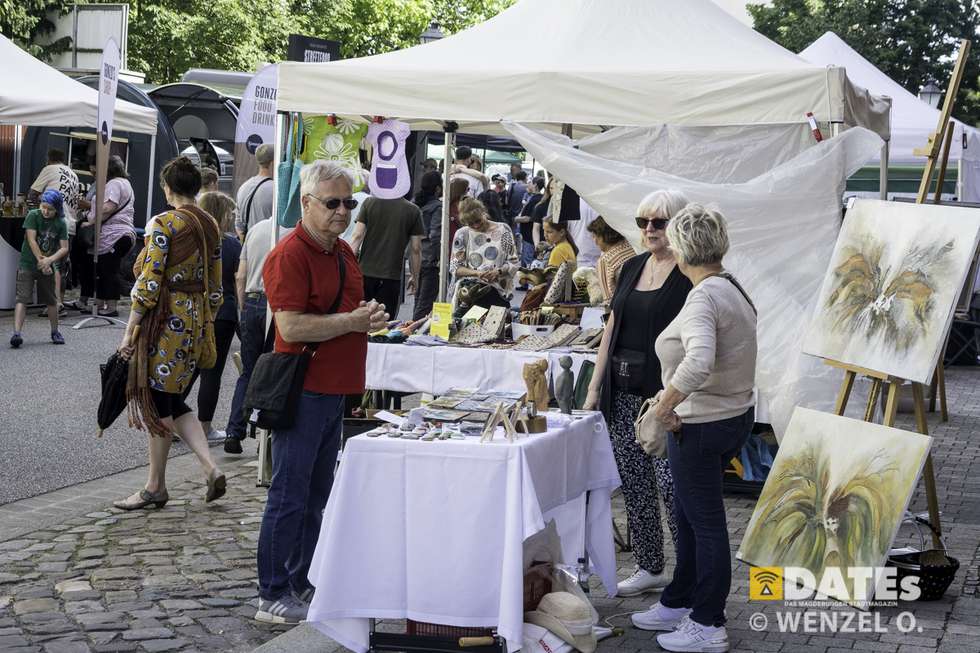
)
(146, 498)
(217, 484)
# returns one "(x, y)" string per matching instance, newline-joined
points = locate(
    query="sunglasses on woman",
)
(334, 202)
(658, 223)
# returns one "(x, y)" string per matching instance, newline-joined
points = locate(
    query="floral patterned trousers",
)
(646, 481)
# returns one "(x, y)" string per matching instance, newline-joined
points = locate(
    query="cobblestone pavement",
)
(183, 578)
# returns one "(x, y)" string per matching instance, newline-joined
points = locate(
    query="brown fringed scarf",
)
(201, 236)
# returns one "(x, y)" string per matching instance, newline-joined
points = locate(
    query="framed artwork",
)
(835, 497)
(888, 298)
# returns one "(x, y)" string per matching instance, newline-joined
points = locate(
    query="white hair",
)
(319, 171)
(662, 204)
(698, 235)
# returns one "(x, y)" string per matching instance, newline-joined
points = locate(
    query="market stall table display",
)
(434, 531)
(436, 370)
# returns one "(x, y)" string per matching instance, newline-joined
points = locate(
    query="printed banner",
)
(108, 82)
(256, 122)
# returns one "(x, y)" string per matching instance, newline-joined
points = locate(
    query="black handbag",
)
(629, 370)
(277, 379)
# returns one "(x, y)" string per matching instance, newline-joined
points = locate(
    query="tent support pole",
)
(151, 178)
(883, 172)
(18, 142)
(444, 244)
(279, 156)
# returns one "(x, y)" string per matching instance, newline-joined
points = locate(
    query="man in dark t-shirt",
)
(384, 229)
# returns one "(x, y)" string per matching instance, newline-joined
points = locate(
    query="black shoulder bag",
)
(248, 203)
(277, 378)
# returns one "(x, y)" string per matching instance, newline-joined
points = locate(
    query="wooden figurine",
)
(565, 385)
(536, 381)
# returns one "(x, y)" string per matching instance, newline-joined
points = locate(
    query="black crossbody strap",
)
(270, 336)
(739, 287)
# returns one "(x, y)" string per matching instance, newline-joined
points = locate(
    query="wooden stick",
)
(945, 161)
(928, 472)
(891, 403)
(869, 411)
(845, 392)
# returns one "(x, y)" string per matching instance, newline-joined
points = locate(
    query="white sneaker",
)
(692, 637)
(660, 617)
(216, 436)
(640, 582)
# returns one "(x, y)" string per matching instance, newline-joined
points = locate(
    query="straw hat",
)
(567, 616)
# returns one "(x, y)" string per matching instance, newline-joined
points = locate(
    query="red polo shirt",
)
(299, 276)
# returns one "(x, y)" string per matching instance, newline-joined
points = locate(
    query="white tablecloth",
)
(409, 368)
(433, 531)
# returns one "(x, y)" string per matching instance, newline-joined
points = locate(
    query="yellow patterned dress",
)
(183, 344)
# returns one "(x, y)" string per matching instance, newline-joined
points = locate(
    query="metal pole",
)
(883, 172)
(444, 245)
(151, 177)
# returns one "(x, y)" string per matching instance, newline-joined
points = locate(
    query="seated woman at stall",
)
(485, 255)
(615, 252)
(649, 295)
(563, 247)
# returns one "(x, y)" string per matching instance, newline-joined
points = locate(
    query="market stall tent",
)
(912, 120)
(589, 63)
(34, 93)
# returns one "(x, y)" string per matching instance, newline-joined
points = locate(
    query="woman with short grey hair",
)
(649, 293)
(708, 356)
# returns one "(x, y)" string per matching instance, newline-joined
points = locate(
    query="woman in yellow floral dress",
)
(177, 293)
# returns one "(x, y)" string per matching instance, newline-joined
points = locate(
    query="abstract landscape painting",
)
(834, 497)
(888, 297)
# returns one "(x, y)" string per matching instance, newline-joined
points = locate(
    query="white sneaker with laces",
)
(640, 582)
(660, 617)
(692, 637)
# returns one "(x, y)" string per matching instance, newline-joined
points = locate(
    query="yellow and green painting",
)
(835, 497)
(888, 297)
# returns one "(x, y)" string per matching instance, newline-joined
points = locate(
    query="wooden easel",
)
(879, 380)
(942, 136)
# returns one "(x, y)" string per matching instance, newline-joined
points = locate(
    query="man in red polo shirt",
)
(315, 291)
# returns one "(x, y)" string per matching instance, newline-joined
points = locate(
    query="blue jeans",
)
(703, 576)
(303, 460)
(252, 336)
(527, 253)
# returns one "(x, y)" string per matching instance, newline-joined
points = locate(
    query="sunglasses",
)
(334, 202)
(658, 223)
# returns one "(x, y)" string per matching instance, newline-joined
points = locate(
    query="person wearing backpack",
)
(255, 195)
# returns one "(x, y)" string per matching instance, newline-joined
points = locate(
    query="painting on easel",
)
(888, 298)
(834, 498)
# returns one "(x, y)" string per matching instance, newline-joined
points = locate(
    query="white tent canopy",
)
(34, 93)
(912, 120)
(588, 63)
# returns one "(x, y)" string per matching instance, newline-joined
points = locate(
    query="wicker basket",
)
(441, 630)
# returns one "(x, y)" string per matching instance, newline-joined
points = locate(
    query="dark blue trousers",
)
(698, 458)
(303, 461)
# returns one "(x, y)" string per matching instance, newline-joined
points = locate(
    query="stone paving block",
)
(139, 634)
(67, 646)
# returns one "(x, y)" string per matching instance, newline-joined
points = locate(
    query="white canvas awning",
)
(589, 63)
(34, 93)
(912, 120)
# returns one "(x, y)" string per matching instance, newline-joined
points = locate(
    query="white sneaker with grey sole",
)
(692, 637)
(286, 610)
(641, 582)
(660, 617)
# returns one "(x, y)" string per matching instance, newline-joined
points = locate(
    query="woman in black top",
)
(650, 293)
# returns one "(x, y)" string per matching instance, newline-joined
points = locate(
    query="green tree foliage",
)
(167, 37)
(911, 41)
(25, 22)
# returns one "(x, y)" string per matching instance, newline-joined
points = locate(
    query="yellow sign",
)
(766, 584)
(442, 317)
